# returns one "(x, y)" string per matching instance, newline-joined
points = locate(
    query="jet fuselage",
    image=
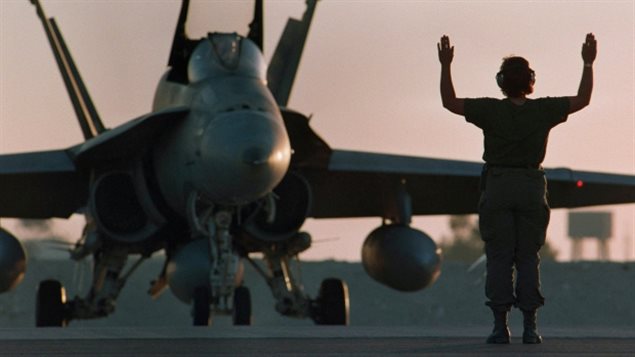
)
(232, 148)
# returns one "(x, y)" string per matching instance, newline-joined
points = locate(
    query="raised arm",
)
(589, 51)
(448, 96)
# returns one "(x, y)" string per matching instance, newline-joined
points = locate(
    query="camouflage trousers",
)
(513, 219)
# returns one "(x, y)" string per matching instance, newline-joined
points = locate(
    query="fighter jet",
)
(222, 170)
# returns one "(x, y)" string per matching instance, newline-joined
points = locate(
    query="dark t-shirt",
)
(516, 135)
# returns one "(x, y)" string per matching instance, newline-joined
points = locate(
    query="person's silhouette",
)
(513, 209)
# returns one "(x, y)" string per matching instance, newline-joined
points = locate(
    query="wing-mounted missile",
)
(286, 59)
(89, 120)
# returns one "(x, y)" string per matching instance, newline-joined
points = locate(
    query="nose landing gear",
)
(202, 310)
(50, 308)
(242, 306)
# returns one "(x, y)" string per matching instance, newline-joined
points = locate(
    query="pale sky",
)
(369, 77)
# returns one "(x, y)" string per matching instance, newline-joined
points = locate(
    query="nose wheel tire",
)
(332, 304)
(200, 306)
(50, 304)
(242, 306)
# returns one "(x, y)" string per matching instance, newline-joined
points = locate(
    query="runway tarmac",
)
(304, 341)
(448, 318)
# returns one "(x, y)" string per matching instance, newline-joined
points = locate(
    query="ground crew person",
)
(513, 209)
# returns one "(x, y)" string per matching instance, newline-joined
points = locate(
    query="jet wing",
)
(40, 185)
(362, 184)
(129, 138)
(55, 184)
(569, 189)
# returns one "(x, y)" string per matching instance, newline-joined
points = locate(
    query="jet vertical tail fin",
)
(87, 115)
(256, 26)
(286, 59)
(182, 47)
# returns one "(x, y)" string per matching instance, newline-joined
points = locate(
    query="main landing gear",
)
(332, 304)
(53, 309)
(331, 307)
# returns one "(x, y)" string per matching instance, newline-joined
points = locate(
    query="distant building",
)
(590, 225)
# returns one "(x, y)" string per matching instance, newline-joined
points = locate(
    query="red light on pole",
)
(579, 184)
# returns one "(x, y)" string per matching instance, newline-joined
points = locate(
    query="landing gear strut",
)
(51, 307)
(217, 292)
(241, 310)
(331, 307)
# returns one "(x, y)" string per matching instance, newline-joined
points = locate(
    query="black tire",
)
(50, 304)
(242, 306)
(332, 303)
(200, 306)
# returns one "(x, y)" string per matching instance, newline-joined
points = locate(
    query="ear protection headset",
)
(500, 76)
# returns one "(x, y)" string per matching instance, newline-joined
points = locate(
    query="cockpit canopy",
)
(226, 54)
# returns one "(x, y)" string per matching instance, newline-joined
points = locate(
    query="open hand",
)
(589, 49)
(446, 52)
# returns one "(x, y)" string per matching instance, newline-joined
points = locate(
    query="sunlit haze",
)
(369, 76)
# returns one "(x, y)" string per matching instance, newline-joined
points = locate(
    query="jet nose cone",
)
(244, 155)
(256, 156)
(262, 155)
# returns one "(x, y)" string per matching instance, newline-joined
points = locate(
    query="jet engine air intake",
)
(117, 209)
(401, 257)
(292, 200)
(110, 191)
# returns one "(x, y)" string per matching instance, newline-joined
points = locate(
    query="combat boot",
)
(500, 334)
(530, 334)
